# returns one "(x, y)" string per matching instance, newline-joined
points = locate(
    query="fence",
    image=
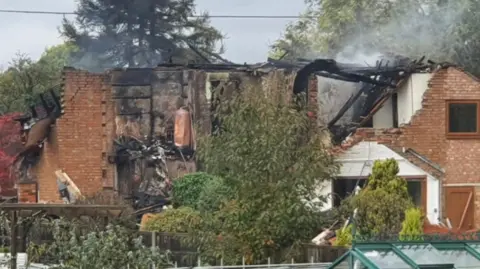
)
(187, 256)
(265, 266)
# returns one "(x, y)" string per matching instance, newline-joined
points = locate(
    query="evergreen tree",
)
(138, 33)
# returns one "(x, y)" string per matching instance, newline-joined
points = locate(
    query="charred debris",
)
(374, 85)
(144, 158)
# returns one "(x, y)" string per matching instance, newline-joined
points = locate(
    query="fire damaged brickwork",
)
(77, 142)
(426, 136)
(101, 111)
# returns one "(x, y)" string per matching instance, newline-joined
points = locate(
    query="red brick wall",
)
(81, 138)
(27, 192)
(426, 132)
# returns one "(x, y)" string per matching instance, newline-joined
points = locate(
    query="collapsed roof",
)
(373, 85)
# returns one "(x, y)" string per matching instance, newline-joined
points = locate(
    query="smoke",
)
(424, 28)
(353, 56)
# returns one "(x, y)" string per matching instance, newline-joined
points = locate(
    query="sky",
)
(247, 40)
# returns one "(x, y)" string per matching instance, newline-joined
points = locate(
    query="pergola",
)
(64, 210)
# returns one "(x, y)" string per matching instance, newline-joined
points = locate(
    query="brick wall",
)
(27, 192)
(80, 139)
(426, 132)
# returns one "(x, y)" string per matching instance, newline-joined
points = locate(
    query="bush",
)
(382, 203)
(344, 237)
(214, 195)
(113, 247)
(177, 220)
(187, 190)
(412, 226)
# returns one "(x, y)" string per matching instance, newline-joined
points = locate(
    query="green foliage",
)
(138, 33)
(412, 226)
(344, 237)
(273, 158)
(177, 220)
(381, 205)
(187, 190)
(112, 248)
(214, 195)
(351, 27)
(25, 78)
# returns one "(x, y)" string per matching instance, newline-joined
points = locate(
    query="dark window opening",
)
(415, 191)
(462, 118)
(342, 188)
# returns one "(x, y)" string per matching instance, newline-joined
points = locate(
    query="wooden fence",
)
(187, 256)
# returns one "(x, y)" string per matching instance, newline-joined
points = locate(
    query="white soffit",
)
(357, 161)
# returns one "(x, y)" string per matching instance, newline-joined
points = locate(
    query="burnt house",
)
(426, 119)
(120, 130)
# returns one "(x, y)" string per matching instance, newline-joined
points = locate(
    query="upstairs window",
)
(463, 119)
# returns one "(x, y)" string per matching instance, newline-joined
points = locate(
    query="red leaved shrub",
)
(10, 146)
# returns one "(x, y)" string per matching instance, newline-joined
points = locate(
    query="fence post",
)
(199, 261)
(293, 261)
(243, 262)
(268, 261)
(154, 240)
(221, 262)
(311, 259)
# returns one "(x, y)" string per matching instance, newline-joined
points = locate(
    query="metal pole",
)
(13, 240)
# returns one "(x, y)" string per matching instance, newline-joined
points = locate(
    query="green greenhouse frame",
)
(442, 252)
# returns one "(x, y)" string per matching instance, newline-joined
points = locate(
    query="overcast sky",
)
(247, 40)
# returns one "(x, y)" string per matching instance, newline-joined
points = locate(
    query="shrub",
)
(382, 203)
(214, 195)
(187, 190)
(177, 220)
(412, 226)
(344, 237)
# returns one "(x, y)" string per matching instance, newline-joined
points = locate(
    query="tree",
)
(348, 28)
(329, 26)
(138, 33)
(214, 195)
(273, 157)
(381, 205)
(200, 191)
(25, 79)
(186, 190)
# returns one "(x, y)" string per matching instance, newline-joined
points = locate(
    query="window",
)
(463, 119)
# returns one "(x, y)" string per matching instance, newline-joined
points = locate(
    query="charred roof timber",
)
(378, 83)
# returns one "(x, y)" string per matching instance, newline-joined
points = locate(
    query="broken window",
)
(462, 119)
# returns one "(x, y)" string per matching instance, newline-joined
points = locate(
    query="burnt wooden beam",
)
(56, 100)
(337, 77)
(45, 105)
(349, 103)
